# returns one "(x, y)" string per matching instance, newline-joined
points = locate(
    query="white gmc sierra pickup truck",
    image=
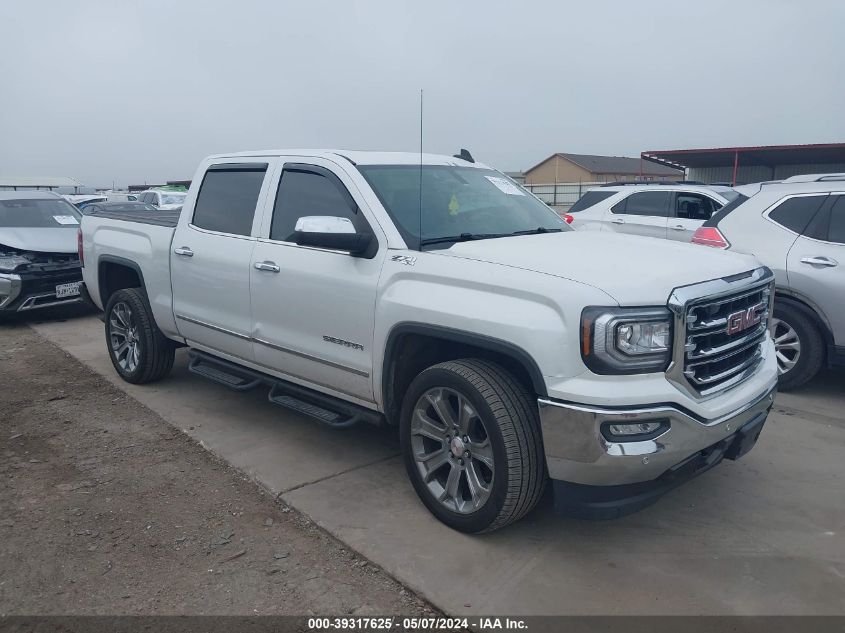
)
(434, 294)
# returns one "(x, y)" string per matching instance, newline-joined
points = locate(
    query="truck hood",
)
(633, 270)
(43, 240)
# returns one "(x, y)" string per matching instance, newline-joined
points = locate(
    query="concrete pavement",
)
(764, 535)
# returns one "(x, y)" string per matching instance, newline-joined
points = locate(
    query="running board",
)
(326, 409)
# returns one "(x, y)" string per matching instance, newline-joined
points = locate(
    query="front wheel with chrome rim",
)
(138, 350)
(471, 439)
(799, 347)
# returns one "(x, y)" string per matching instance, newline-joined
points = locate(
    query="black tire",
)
(155, 352)
(511, 421)
(812, 353)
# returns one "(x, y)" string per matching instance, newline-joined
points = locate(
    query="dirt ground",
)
(107, 509)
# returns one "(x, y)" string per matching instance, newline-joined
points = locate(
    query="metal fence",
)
(563, 194)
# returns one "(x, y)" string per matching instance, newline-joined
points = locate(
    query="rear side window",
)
(654, 203)
(309, 191)
(725, 210)
(796, 213)
(590, 199)
(836, 232)
(228, 196)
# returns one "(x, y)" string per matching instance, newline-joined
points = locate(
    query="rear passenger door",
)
(689, 211)
(210, 259)
(641, 213)
(816, 263)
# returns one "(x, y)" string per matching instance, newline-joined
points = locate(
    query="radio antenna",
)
(421, 165)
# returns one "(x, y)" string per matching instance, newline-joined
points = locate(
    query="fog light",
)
(633, 432)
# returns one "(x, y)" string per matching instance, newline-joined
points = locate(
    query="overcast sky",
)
(140, 91)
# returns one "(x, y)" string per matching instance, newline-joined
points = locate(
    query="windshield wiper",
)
(539, 229)
(463, 237)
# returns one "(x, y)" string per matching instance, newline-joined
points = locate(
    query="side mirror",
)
(323, 231)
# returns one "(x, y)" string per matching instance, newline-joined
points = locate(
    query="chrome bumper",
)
(577, 452)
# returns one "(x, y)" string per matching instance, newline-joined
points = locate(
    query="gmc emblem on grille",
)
(744, 319)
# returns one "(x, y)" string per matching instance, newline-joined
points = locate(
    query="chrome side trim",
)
(216, 328)
(279, 348)
(316, 359)
(29, 302)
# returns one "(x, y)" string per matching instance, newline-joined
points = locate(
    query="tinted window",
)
(694, 206)
(304, 193)
(795, 213)
(725, 210)
(48, 213)
(591, 198)
(655, 203)
(836, 230)
(227, 198)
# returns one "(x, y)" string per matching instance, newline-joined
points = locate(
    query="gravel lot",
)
(107, 509)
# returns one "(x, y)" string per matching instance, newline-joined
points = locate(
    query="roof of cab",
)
(358, 157)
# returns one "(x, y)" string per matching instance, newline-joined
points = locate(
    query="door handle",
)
(618, 221)
(268, 266)
(820, 260)
(184, 251)
(678, 227)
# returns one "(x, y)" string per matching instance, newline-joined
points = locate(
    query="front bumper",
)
(605, 479)
(35, 290)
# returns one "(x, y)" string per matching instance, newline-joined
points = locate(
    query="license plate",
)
(67, 290)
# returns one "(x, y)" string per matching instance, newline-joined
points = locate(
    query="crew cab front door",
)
(641, 213)
(210, 259)
(314, 308)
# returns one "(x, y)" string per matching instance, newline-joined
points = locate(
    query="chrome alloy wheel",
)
(123, 337)
(787, 345)
(452, 450)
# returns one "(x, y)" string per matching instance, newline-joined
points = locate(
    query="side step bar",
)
(331, 411)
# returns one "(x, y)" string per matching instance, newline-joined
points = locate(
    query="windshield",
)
(173, 198)
(456, 202)
(45, 213)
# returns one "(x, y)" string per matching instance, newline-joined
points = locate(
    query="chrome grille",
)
(720, 339)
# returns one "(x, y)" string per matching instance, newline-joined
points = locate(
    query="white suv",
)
(797, 228)
(670, 211)
(163, 199)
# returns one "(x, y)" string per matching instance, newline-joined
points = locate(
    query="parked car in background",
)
(796, 227)
(435, 294)
(39, 264)
(121, 197)
(118, 207)
(80, 200)
(167, 200)
(666, 211)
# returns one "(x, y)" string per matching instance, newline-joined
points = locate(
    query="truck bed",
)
(157, 218)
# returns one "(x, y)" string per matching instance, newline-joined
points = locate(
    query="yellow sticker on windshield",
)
(454, 207)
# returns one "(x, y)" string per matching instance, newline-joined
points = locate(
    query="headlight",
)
(8, 263)
(626, 340)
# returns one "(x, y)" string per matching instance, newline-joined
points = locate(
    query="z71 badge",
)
(408, 260)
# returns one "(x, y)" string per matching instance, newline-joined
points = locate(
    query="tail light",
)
(567, 217)
(710, 236)
(79, 246)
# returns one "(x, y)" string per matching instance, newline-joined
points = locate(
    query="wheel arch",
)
(808, 307)
(421, 345)
(116, 273)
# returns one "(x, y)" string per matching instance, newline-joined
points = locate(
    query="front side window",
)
(310, 191)
(796, 213)
(228, 196)
(42, 213)
(653, 203)
(443, 204)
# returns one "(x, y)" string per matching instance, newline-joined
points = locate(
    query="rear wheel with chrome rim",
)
(138, 350)
(471, 440)
(799, 346)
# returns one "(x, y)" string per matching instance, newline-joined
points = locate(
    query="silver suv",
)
(796, 227)
(667, 211)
